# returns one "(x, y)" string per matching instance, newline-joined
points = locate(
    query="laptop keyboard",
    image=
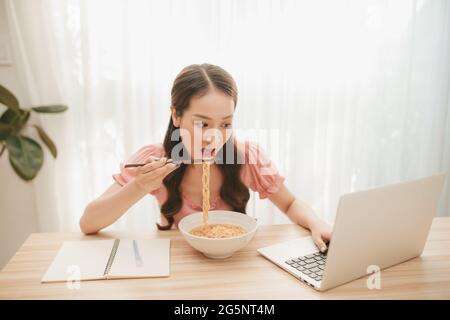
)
(312, 265)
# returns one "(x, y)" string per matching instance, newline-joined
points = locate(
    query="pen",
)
(137, 256)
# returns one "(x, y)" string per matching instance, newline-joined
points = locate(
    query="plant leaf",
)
(25, 156)
(9, 116)
(48, 142)
(12, 121)
(5, 131)
(50, 109)
(8, 99)
(24, 116)
(7, 123)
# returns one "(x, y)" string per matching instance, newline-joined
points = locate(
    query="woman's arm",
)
(110, 206)
(116, 200)
(302, 214)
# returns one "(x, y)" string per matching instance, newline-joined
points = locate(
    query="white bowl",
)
(218, 248)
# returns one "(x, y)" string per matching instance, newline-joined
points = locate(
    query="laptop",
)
(374, 229)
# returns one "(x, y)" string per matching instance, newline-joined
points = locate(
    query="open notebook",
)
(110, 259)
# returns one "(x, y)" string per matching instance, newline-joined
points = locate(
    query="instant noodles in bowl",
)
(218, 247)
(218, 231)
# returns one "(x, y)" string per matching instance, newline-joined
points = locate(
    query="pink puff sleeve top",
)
(258, 173)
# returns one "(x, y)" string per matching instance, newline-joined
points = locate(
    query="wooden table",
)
(246, 275)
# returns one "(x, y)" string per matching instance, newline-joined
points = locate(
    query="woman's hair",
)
(196, 80)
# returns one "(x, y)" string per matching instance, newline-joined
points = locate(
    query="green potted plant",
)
(25, 154)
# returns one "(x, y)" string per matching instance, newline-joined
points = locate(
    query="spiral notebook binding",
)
(111, 257)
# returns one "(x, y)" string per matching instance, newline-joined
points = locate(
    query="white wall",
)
(17, 203)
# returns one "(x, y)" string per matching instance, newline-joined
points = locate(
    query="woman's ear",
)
(175, 118)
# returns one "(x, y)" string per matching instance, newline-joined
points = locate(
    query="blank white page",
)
(87, 257)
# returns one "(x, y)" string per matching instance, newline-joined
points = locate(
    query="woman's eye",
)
(227, 125)
(200, 124)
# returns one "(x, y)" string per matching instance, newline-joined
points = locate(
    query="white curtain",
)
(343, 95)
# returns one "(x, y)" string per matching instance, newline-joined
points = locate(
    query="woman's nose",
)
(209, 139)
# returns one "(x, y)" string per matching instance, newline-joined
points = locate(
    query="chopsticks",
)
(178, 163)
(133, 165)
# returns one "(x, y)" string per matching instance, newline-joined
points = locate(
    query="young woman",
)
(204, 99)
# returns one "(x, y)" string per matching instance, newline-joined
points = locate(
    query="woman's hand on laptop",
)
(302, 214)
(321, 234)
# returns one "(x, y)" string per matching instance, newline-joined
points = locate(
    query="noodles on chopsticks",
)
(214, 230)
(205, 191)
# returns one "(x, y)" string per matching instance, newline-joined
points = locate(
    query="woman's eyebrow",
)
(208, 118)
